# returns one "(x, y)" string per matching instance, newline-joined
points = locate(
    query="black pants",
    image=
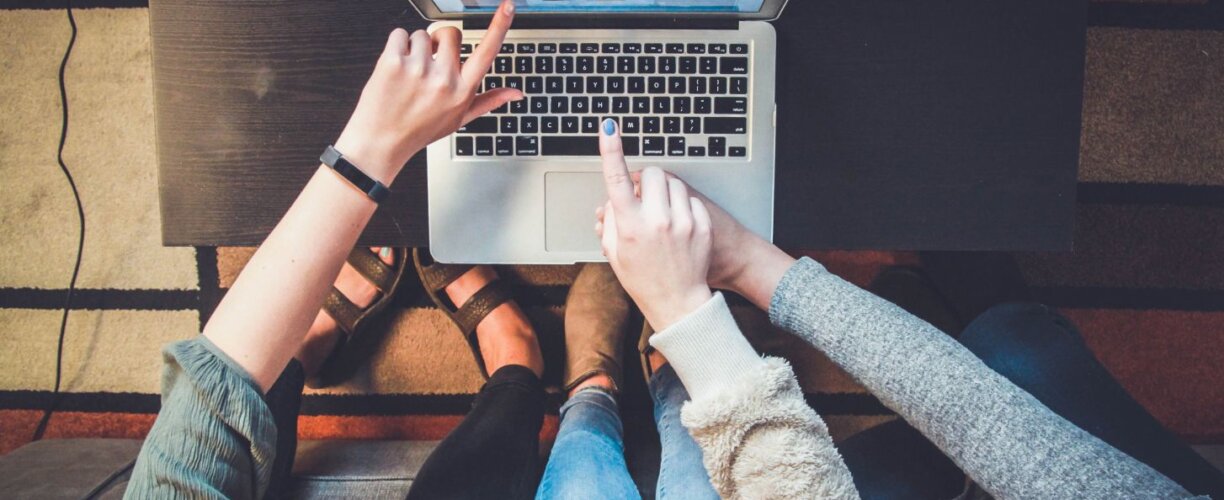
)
(1041, 352)
(494, 453)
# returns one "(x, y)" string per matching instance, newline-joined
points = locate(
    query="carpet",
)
(1145, 283)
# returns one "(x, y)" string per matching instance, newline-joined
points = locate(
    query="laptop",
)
(690, 83)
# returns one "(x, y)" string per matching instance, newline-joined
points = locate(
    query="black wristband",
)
(372, 188)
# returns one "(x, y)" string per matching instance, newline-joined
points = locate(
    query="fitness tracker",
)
(372, 188)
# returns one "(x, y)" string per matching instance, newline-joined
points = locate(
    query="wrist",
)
(373, 159)
(675, 308)
(763, 268)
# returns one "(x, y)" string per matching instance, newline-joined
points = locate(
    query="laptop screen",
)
(613, 6)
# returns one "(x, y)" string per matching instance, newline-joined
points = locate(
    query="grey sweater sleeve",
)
(1002, 437)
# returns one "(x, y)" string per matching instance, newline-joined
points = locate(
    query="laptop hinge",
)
(612, 23)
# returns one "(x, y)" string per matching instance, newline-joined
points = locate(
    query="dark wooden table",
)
(903, 124)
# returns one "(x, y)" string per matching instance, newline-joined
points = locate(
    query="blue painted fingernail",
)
(609, 126)
(385, 252)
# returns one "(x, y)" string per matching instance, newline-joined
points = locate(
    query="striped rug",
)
(1145, 282)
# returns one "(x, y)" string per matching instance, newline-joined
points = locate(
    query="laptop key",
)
(701, 105)
(544, 64)
(632, 48)
(620, 105)
(650, 125)
(519, 107)
(696, 151)
(610, 48)
(504, 146)
(465, 48)
(571, 145)
(525, 48)
(697, 85)
(675, 146)
(534, 84)
(484, 146)
(605, 64)
(507, 48)
(675, 84)
(560, 105)
(675, 48)
(646, 65)
(503, 65)
(581, 105)
(569, 124)
(548, 48)
(509, 125)
(730, 105)
(641, 105)
(726, 125)
(696, 48)
(539, 105)
(599, 104)
(734, 66)
(569, 48)
(549, 125)
(654, 48)
(530, 125)
(463, 146)
(554, 85)
(692, 125)
(616, 85)
(718, 85)
(662, 105)
(586, 65)
(739, 85)
(637, 84)
(625, 64)
(526, 145)
(718, 146)
(688, 65)
(656, 85)
(565, 65)
(738, 151)
(594, 84)
(653, 146)
(630, 125)
(514, 82)
(492, 82)
(590, 48)
(718, 48)
(667, 65)
(671, 125)
(739, 48)
(482, 125)
(590, 124)
(682, 105)
(709, 65)
(574, 85)
(523, 65)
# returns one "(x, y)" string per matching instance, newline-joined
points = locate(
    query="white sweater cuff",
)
(707, 349)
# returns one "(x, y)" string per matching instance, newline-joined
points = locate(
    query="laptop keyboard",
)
(670, 99)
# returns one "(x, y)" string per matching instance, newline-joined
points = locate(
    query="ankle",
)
(599, 381)
(657, 361)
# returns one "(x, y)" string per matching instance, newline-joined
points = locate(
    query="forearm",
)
(1005, 439)
(262, 320)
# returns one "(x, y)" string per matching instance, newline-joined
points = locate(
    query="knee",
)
(1018, 336)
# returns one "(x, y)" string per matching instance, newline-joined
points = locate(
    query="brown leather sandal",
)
(435, 277)
(645, 349)
(359, 340)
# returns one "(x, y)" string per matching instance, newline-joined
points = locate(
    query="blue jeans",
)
(588, 457)
(1041, 352)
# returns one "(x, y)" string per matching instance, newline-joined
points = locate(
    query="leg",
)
(495, 452)
(682, 473)
(894, 460)
(1043, 353)
(285, 401)
(588, 458)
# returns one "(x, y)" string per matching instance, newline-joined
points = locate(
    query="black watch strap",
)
(372, 188)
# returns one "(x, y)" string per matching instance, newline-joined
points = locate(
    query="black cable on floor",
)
(76, 268)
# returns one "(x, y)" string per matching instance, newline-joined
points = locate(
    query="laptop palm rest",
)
(570, 199)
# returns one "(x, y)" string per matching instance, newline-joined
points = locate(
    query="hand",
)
(419, 93)
(658, 245)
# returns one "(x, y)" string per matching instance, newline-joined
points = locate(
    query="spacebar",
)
(555, 145)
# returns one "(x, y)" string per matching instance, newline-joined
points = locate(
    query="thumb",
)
(489, 101)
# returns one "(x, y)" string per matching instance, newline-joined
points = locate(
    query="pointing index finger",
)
(482, 58)
(615, 171)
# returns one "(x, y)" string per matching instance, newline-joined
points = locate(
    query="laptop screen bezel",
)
(770, 10)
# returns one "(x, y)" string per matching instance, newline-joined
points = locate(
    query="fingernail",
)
(609, 126)
(509, 7)
(385, 252)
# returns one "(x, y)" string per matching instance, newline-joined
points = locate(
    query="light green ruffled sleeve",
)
(214, 437)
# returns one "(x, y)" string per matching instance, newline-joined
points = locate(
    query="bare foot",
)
(506, 336)
(324, 333)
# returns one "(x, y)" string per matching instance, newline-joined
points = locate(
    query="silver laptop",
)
(690, 82)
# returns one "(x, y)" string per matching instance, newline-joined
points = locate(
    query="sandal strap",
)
(343, 310)
(372, 268)
(483, 302)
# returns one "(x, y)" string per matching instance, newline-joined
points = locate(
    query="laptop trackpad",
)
(570, 199)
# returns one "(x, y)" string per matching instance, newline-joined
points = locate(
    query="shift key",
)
(482, 125)
(726, 126)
